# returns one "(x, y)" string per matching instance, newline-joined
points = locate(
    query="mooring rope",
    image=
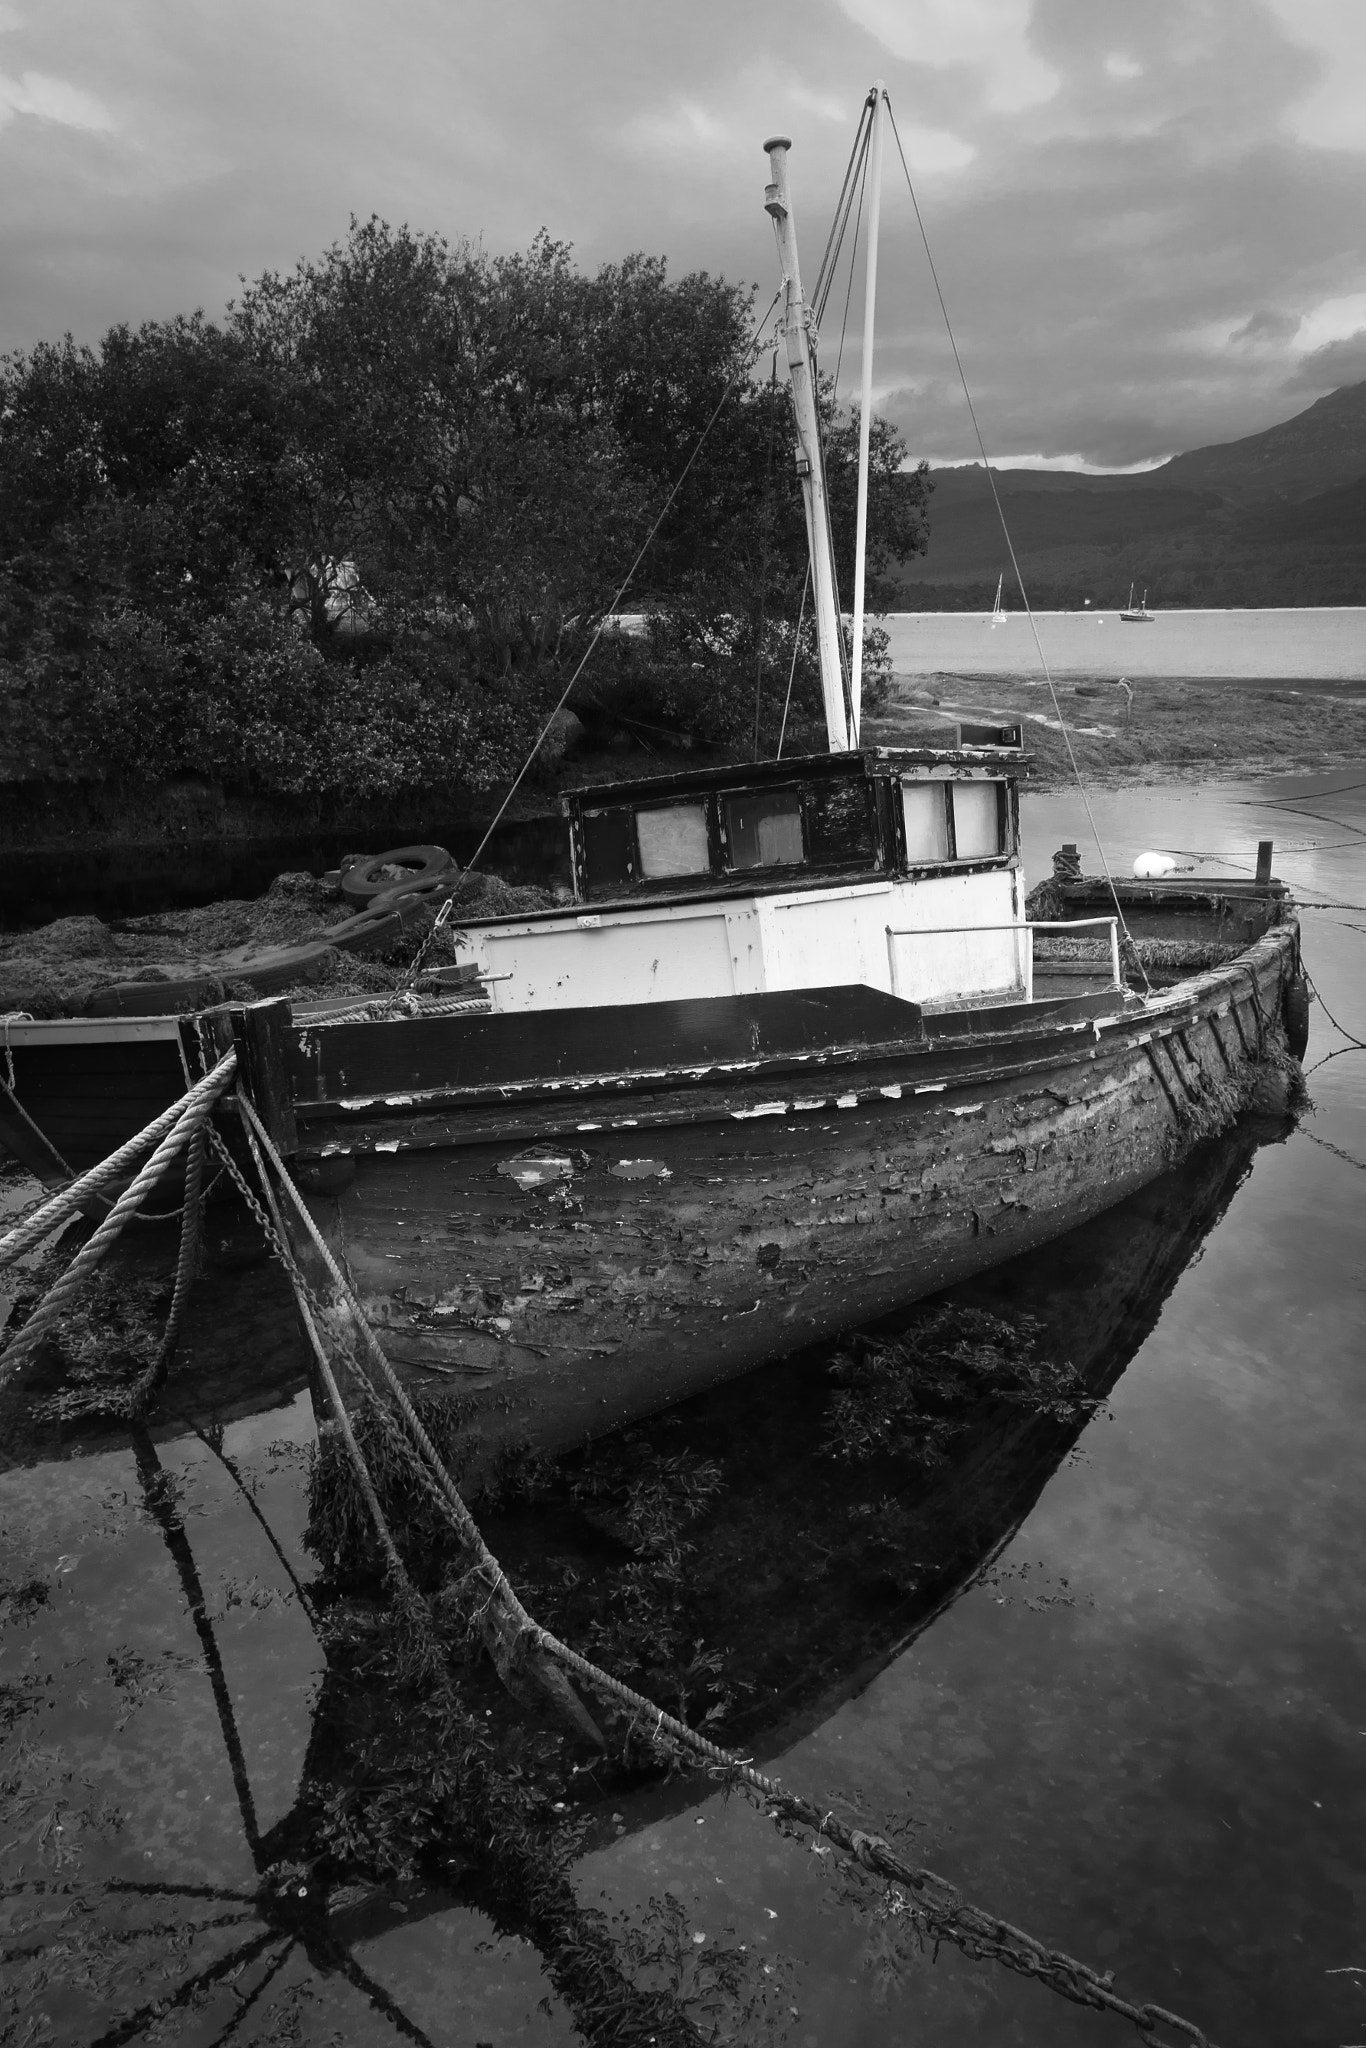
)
(935, 1904)
(41, 1222)
(395, 1566)
(59, 1296)
(187, 1265)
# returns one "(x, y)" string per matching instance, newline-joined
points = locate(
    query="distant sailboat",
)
(999, 614)
(1136, 614)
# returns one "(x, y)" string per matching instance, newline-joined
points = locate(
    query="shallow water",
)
(1319, 643)
(1159, 1765)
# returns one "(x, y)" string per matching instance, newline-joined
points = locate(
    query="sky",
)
(1149, 222)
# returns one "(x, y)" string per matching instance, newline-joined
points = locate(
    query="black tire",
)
(363, 880)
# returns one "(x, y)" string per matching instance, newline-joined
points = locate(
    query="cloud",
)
(929, 150)
(1121, 65)
(681, 124)
(1326, 369)
(988, 38)
(1330, 113)
(1266, 328)
(52, 99)
(1332, 320)
(1139, 250)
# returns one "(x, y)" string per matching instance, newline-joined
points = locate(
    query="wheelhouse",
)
(797, 824)
(895, 868)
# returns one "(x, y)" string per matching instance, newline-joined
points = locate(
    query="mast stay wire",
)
(792, 672)
(855, 182)
(862, 181)
(1010, 547)
(825, 275)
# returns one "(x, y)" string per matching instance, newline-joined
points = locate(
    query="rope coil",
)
(185, 1131)
(42, 1221)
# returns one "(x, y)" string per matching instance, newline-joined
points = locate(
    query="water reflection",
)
(171, 1744)
(1157, 1764)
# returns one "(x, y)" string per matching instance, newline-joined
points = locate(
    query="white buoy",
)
(1150, 864)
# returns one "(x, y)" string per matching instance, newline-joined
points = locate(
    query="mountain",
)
(1320, 447)
(1274, 518)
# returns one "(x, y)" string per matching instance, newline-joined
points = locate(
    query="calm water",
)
(1160, 1765)
(1287, 645)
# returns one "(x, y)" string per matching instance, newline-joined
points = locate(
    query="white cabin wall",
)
(744, 945)
(587, 959)
(960, 955)
(825, 937)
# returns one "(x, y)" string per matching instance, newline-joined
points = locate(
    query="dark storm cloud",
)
(1337, 362)
(1138, 215)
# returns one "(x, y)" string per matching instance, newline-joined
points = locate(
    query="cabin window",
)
(924, 807)
(673, 841)
(977, 820)
(608, 849)
(947, 821)
(765, 831)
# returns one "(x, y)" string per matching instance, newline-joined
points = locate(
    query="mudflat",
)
(1169, 727)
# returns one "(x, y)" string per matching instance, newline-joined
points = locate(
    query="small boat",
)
(797, 1053)
(999, 614)
(1136, 614)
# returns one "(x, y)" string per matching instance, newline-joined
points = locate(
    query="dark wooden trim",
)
(1050, 1036)
(263, 1035)
(29, 1144)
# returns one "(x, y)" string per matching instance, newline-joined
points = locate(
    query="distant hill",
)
(1276, 518)
(1320, 447)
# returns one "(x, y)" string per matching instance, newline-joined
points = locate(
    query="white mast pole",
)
(878, 97)
(799, 337)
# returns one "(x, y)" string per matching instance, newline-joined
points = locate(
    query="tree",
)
(354, 536)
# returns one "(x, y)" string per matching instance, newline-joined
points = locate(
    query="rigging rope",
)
(1010, 546)
(840, 219)
(796, 650)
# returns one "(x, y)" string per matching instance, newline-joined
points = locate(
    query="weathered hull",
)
(703, 1228)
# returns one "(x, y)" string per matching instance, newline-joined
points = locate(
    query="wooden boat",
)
(795, 1055)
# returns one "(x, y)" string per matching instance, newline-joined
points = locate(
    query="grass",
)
(1178, 726)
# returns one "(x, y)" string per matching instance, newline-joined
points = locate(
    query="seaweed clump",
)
(414, 1779)
(910, 1396)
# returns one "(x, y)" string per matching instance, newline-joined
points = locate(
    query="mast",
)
(800, 338)
(877, 98)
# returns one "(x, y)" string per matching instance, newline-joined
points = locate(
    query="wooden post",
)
(1264, 847)
(259, 1034)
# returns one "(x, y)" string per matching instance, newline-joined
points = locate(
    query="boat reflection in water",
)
(810, 1568)
(805, 1573)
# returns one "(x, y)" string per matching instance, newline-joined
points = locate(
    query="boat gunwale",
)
(945, 1065)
